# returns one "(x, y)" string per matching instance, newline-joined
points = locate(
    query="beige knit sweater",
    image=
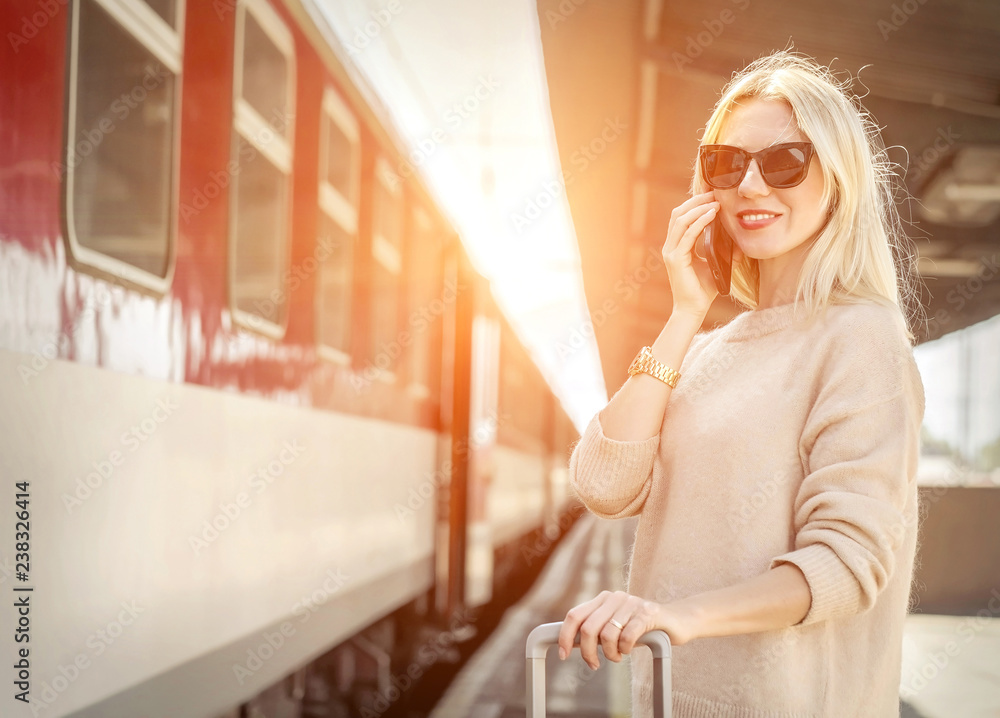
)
(786, 440)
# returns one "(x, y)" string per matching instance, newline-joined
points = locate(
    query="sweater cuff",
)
(611, 476)
(834, 588)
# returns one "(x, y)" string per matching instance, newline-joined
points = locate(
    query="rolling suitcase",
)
(543, 637)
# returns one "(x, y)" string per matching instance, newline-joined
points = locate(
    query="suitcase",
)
(546, 635)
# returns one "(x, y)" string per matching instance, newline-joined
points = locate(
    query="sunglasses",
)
(781, 166)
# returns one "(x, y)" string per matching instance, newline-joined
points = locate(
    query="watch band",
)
(646, 363)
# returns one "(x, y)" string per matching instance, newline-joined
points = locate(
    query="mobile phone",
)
(717, 249)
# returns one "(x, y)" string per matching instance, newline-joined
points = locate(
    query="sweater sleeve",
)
(861, 444)
(612, 477)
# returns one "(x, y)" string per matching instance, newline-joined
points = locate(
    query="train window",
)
(263, 120)
(425, 301)
(166, 9)
(339, 166)
(387, 243)
(120, 166)
(341, 149)
(265, 67)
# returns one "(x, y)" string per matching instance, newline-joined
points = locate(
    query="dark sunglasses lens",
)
(723, 168)
(784, 167)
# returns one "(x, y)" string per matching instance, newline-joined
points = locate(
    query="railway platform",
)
(951, 664)
(591, 558)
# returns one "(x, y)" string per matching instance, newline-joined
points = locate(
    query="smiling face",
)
(770, 223)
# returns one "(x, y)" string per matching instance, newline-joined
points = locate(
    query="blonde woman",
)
(775, 480)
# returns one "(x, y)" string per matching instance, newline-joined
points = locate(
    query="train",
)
(272, 435)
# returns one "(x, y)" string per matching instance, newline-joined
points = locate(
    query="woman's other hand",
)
(690, 278)
(637, 616)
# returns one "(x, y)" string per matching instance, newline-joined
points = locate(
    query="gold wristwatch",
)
(647, 363)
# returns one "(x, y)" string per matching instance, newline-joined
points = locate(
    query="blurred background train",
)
(279, 439)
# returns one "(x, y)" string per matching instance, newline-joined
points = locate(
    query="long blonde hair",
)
(862, 253)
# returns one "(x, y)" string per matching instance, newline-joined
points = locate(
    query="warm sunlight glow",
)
(465, 87)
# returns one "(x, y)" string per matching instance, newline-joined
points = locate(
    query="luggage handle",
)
(546, 635)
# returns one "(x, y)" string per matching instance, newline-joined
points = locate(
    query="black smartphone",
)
(717, 249)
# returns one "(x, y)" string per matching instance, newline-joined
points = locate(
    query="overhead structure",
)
(653, 69)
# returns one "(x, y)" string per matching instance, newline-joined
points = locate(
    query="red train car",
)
(261, 399)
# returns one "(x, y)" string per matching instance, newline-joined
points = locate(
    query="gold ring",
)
(617, 625)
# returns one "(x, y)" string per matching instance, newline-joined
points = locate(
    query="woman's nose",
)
(753, 184)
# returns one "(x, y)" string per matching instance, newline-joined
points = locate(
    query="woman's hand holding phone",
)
(690, 278)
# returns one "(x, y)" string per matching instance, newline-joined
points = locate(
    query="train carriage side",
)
(522, 438)
(222, 315)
